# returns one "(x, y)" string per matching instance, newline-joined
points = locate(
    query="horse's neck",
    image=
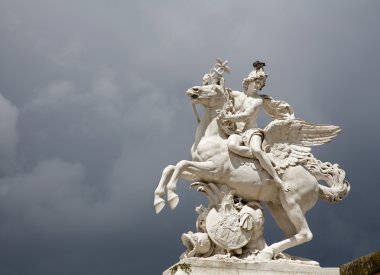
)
(208, 125)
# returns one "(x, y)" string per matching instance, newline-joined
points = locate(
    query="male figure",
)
(252, 136)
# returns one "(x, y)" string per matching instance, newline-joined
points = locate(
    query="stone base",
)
(209, 266)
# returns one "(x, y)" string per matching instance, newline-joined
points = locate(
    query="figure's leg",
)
(297, 217)
(185, 166)
(255, 146)
(235, 145)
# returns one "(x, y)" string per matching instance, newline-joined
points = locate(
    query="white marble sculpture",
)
(238, 166)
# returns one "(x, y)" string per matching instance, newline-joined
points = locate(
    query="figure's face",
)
(255, 85)
(207, 95)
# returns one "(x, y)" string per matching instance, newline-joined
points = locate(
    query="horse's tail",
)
(337, 188)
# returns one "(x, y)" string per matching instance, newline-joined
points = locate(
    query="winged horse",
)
(286, 141)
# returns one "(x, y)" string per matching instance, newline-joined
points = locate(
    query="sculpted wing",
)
(299, 132)
(288, 141)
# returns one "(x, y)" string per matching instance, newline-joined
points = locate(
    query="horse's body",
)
(213, 162)
(241, 174)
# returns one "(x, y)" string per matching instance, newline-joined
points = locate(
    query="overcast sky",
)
(92, 108)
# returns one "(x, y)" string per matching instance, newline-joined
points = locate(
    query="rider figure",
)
(252, 136)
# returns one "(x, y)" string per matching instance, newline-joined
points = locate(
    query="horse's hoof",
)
(173, 201)
(265, 255)
(159, 204)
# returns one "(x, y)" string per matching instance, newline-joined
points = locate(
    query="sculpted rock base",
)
(212, 266)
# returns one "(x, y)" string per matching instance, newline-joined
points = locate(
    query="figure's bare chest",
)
(243, 102)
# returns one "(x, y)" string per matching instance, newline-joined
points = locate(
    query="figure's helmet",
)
(257, 75)
(258, 64)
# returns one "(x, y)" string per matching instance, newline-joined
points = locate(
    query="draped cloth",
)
(277, 109)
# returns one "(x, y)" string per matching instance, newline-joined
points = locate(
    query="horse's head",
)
(210, 96)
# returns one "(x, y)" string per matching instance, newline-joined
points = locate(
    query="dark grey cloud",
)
(92, 108)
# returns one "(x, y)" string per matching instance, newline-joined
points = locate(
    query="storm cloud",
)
(93, 107)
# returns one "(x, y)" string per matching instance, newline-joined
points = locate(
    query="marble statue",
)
(240, 166)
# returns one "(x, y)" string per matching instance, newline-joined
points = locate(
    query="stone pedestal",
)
(203, 266)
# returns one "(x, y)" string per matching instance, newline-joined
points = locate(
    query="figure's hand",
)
(246, 221)
(221, 114)
(227, 116)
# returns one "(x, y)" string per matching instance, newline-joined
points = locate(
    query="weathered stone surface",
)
(202, 266)
(366, 265)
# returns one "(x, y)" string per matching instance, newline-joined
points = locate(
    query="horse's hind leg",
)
(297, 217)
(282, 219)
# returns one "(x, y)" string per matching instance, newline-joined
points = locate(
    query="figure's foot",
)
(238, 251)
(173, 200)
(284, 186)
(159, 204)
(265, 255)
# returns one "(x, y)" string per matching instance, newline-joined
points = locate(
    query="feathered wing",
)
(288, 141)
(299, 132)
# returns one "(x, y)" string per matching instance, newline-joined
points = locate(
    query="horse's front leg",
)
(193, 167)
(159, 193)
